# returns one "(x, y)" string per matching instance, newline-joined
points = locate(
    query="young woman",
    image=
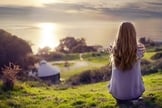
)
(126, 81)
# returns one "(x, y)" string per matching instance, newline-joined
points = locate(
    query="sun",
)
(48, 35)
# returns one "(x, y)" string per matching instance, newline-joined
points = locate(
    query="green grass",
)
(38, 95)
(96, 57)
(148, 55)
(85, 96)
(93, 60)
(61, 65)
(104, 59)
(68, 72)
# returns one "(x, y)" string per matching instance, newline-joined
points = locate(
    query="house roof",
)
(45, 69)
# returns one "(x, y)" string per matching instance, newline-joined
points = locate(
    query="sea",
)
(44, 33)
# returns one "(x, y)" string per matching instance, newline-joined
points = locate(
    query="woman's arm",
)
(140, 50)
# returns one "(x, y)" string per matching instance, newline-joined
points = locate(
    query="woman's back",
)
(127, 85)
(126, 80)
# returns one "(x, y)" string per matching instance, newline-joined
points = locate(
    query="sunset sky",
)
(80, 10)
(45, 22)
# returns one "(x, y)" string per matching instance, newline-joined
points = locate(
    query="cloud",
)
(155, 3)
(50, 12)
(83, 11)
(133, 11)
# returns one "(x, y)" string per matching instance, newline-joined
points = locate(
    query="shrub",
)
(13, 49)
(158, 64)
(157, 56)
(85, 77)
(151, 67)
(57, 56)
(91, 76)
(95, 54)
(145, 62)
(9, 76)
(104, 73)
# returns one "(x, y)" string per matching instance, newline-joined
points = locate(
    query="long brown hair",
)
(125, 47)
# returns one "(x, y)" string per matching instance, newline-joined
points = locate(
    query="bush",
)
(104, 73)
(151, 67)
(95, 54)
(72, 56)
(57, 56)
(13, 49)
(91, 76)
(145, 62)
(9, 76)
(85, 77)
(157, 56)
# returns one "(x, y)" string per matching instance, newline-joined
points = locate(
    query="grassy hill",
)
(36, 95)
(76, 66)
(91, 61)
(32, 94)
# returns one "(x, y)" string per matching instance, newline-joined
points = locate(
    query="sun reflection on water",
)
(48, 35)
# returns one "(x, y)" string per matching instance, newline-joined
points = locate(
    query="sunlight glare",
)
(48, 35)
(49, 1)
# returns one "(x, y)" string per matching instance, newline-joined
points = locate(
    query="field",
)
(31, 94)
(90, 62)
(77, 66)
(36, 95)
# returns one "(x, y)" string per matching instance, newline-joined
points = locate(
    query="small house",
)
(48, 72)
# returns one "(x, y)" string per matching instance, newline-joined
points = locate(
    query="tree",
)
(147, 41)
(44, 51)
(142, 40)
(67, 44)
(13, 49)
(72, 45)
